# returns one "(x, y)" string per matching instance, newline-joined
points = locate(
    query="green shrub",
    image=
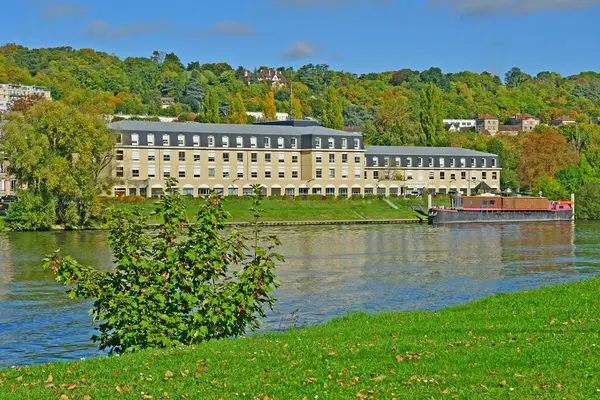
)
(71, 219)
(31, 212)
(175, 288)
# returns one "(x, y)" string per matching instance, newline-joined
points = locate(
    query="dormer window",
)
(225, 141)
(267, 142)
(331, 142)
(239, 141)
(442, 162)
(409, 162)
(196, 141)
(294, 143)
(280, 142)
(135, 139)
(317, 142)
(375, 161)
(357, 143)
(430, 162)
(473, 163)
(463, 162)
(150, 139)
(211, 141)
(166, 140)
(398, 162)
(420, 162)
(344, 143)
(180, 140)
(253, 142)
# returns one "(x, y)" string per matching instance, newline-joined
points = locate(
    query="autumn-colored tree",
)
(238, 111)
(544, 154)
(25, 103)
(297, 108)
(268, 107)
(333, 113)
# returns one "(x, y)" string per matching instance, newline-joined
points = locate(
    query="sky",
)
(358, 36)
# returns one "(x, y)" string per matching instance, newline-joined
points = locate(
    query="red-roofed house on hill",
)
(271, 76)
(488, 123)
(563, 120)
(527, 122)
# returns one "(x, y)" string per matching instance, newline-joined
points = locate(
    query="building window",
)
(317, 190)
(119, 155)
(442, 175)
(196, 172)
(254, 157)
(166, 140)
(431, 175)
(240, 172)
(344, 143)
(267, 157)
(203, 191)
(225, 141)
(386, 161)
(120, 173)
(398, 162)
(409, 161)
(211, 156)
(290, 191)
(356, 173)
(331, 142)
(281, 157)
(167, 156)
(294, 143)
(331, 157)
(180, 140)
(375, 161)
(317, 143)
(135, 156)
(211, 141)
(254, 173)
(493, 163)
(226, 157)
(419, 161)
(484, 175)
(442, 162)
(473, 175)
(135, 139)
(345, 173)
(329, 191)
(295, 158)
(239, 141)
(167, 172)
(483, 163)
(196, 156)
(463, 163)
(357, 143)
(452, 176)
(267, 142)
(357, 158)
(240, 157)
(463, 175)
(226, 172)
(253, 142)
(135, 172)
(319, 173)
(151, 172)
(295, 173)
(150, 139)
(453, 162)
(430, 162)
(318, 158)
(233, 191)
(219, 191)
(473, 163)
(344, 158)
(281, 173)
(375, 175)
(182, 156)
(280, 143)
(331, 173)
(212, 172)
(268, 173)
(196, 141)
(182, 172)
(494, 176)
(247, 191)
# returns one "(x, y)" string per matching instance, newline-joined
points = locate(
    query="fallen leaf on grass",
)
(379, 378)
(50, 379)
(168, 375)
(502, 383)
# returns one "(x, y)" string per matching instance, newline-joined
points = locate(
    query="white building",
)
(457, 125)
(9, 93)
(259, 115)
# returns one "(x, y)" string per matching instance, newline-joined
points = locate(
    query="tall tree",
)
(297, 108)
(333, 114)
(238, 111)
(268, 107)
(432, 115)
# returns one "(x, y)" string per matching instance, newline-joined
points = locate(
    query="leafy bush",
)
(587, 202)
(175, 288)
(31, 212)
(71, 218)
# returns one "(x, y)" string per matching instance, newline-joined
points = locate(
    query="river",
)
(329, 271)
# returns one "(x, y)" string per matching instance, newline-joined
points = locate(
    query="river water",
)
(329, 271)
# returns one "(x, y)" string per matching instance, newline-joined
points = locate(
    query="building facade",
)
(488, 123)
(460, 125)
(9, 93)
(286, 158)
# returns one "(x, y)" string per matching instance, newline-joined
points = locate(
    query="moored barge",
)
(490, 209)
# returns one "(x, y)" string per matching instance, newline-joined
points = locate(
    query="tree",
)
(59, 154)
(238, 111)
(588, 201)
(514, 77)
(297, 105)
(333, 113)
(210, 113)
(432, 115)
(175, 288)
(268, 107)
(394, 121)
(544, 154)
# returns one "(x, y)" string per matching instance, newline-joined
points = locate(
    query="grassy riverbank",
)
(303, 210)
(537, 344)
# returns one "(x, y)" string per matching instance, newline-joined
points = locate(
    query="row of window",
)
(387, 162)
(239, 141)
(234, 191)
(408, 175)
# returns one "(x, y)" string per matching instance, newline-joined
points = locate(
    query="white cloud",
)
(299, 50)
(514, 7)
(103, 29)
(53, 11)
(231, 28)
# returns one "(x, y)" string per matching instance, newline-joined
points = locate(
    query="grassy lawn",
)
(302, 210)
(538, 344)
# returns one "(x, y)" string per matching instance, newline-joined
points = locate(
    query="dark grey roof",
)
(225, 129)
(420, 151)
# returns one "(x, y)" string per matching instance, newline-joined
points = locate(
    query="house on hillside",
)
(460, 125)
(272, 77)
(510, 129)
(526, 122)
(488, 123)
(167, 102)
(563, 120)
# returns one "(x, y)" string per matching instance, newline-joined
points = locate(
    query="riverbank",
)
(543, 343)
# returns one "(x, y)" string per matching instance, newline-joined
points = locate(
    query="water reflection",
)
(329, 271)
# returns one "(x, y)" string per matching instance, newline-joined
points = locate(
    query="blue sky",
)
(352, 35)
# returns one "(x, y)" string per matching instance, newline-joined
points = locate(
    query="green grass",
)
(538, 344)
(300, 210)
